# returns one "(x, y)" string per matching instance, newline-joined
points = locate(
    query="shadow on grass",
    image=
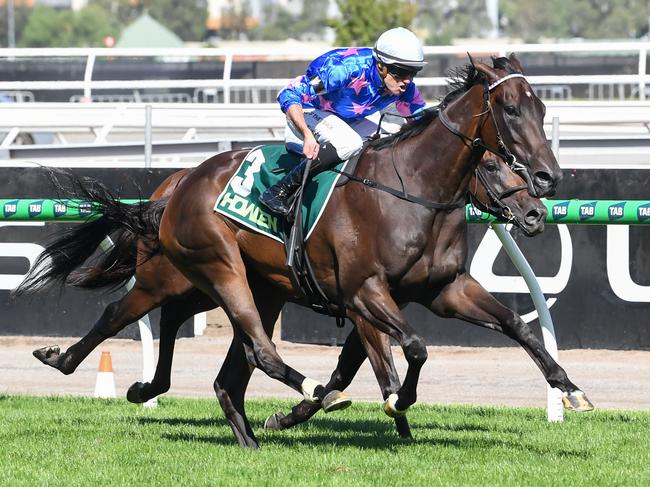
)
(366, 434)
(203, 422)
(465, 427)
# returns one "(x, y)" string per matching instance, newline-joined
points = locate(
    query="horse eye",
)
(511, 110)
(491, 167)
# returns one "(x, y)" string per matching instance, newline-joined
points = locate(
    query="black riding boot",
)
(277, 198)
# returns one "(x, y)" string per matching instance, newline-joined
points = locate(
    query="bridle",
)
(498, 208)
(478, 143)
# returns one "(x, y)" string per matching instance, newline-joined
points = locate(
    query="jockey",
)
(327, 107)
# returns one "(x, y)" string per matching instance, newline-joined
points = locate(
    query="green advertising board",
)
(584, 212)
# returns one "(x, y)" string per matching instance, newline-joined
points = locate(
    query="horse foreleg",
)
(172, 315)
(117, 315)
(466, 299)
(374, 303)
(377, 346)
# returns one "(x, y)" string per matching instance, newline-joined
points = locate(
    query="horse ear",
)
(489, 73)
(515, 62)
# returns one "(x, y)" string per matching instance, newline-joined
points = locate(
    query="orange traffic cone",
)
(105, 384)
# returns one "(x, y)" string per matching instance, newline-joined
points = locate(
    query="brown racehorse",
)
(158, 283)
(422, 270)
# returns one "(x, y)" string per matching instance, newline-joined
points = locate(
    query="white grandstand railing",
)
(640, 80)
(262, 120)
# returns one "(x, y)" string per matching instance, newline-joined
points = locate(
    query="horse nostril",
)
(545, 183)
(533, 217)
(544, 179)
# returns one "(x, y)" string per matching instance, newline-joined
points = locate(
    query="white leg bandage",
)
(308, 387)
(390, 407)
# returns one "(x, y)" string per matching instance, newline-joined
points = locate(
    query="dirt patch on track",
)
(457, 375)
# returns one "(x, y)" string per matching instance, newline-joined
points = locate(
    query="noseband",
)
(501, 150)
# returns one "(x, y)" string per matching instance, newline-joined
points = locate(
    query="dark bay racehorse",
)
(410, 261)
(159, 284)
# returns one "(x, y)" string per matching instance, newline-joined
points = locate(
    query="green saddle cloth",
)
(262, 167)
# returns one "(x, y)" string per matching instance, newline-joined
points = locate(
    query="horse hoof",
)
(273, 421)
(577, 401)
(390, 409)
(43, 354)
(335, 401)
(134, 393)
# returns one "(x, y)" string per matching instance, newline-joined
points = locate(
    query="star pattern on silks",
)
(403, 108)
(359, 109)
(417, 99)
(359, 83)
(325, 104)
(350, 51)
(353, 88)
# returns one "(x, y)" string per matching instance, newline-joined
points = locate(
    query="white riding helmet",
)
(399, 46)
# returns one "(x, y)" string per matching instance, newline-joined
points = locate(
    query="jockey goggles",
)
(403, 72)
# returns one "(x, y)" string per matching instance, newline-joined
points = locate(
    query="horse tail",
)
(125, 224)
(113, 268)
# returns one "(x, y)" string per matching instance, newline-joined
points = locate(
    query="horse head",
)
(495, 188)
(516, 125)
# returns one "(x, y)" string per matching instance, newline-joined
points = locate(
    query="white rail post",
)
(147, 136)
(555, 138)
(554, 408)
(227, 70)
(643, 53)
(88, 77)
(146, 336)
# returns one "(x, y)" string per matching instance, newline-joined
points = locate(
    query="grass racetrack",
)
(80, 441)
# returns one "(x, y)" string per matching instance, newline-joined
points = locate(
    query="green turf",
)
(74, 441)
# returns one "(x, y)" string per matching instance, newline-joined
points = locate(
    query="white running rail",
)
(196, 120)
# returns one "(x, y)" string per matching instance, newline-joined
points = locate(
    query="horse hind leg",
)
(230, 386)
(116, 316)
(467, 300)
(350, 359)
(172, 315)
(224, 279)
(231, 383)
(363, 341)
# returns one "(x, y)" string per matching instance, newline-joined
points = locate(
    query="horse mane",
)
(461, 79)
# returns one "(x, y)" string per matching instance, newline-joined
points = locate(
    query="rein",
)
(499, 209)
(403, 195)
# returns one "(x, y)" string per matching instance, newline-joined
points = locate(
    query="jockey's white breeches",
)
(347, 138)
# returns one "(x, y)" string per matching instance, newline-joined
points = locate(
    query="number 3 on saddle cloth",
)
(262, 167)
